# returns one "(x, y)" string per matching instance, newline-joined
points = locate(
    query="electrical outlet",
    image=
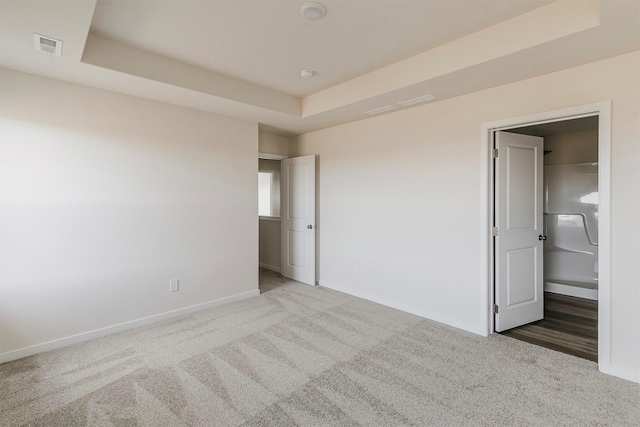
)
(173, 285)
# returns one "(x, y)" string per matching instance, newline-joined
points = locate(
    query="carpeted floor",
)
(309, 356)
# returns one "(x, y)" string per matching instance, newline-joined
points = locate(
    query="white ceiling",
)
(242, 58)
(269, 42)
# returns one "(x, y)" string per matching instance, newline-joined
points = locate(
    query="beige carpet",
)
(308, 356)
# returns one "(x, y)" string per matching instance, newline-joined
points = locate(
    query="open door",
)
(519, 294)
(298, 218)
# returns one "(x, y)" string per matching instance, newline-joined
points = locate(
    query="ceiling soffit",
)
(267, 43)
(561, 19)
(546, 39)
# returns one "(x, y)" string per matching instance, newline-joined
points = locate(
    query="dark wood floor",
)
(570, 325)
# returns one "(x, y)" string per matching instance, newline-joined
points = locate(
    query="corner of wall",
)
(274, 144)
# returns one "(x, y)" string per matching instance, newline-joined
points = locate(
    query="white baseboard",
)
(614, 370)
(478, 329)
(624, 373)
(270, 267)
(74, 339)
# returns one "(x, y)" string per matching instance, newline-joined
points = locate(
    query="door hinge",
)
(494, 231)
(495, 308)
(494, 153)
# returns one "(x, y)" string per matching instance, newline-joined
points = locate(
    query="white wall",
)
(274, 144)
(107, 197)
(399, 199)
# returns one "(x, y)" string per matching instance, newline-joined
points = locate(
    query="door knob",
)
(311, 227)
(541, 237)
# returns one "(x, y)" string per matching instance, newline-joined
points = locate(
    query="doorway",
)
(286, 217)
(269, 232)
(527, 125)
(568, 319)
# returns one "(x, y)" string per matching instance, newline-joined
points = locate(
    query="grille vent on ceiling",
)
(380, 110)
(47, 45)
(418, 100)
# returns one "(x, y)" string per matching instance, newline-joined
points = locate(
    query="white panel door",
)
(519, 218)
(298, 216)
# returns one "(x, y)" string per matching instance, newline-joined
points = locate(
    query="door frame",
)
(603, 111)
(267, 156)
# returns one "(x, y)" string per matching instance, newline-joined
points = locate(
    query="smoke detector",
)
(306, 74)
(313, 10)
(47, 45)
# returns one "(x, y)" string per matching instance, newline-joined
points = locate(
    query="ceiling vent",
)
(380, 110)
(418, 100)
(47, 45)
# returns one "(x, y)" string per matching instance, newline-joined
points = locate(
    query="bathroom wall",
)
(571, 175)
(571, 147)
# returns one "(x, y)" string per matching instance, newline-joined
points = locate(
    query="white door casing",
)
(519, 219)
(298, 218)
(488, 292)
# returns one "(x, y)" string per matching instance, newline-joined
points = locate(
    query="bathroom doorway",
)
(600, 113)
(570, 238)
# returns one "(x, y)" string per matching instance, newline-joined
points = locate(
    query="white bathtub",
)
(571, 288)
(571, 227)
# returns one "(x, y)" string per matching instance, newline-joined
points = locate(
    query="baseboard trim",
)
(270, 267)
(478, 329)
(85, 336)
(624, 373)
